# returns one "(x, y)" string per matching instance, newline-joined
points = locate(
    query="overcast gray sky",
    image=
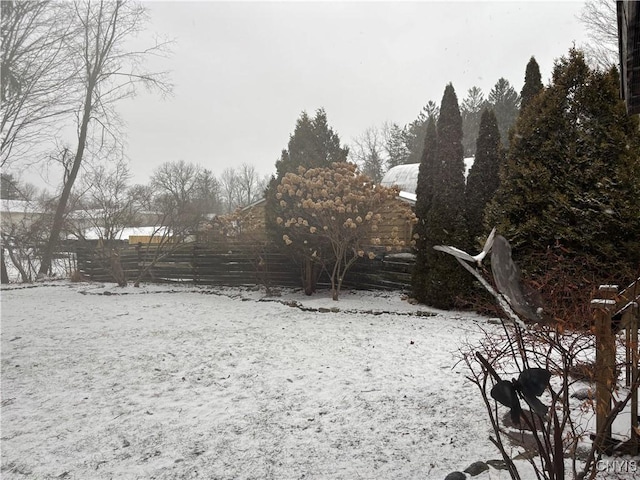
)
(244, 71)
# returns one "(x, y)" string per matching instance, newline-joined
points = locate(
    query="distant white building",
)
(19, 212)
(406, 178)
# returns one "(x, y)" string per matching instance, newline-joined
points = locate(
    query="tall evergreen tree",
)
(532, 83)
(572, 176)
(483, 179)
(505, 102)
(471, 110)
(312, 144)
(9, 187)
(445, 280)
(416, 130)
(427, 172)
(395, 146)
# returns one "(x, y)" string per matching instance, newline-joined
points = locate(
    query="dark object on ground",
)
(583, 394)
(533, 382)
(456, 476)
(497, 464)
(530, 384)
(476, 468)
(505, 393)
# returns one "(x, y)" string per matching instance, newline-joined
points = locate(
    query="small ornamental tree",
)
(332, 217)
(313, 144)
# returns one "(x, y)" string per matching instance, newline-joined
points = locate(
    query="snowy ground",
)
(166, 382)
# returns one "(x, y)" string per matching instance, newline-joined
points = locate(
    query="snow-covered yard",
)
(165, 382)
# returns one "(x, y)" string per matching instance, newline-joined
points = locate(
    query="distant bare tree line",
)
(65, 66)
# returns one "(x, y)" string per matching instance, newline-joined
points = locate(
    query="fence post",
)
(194, 264)
(605, 360)
(631, 314)
(139, 263)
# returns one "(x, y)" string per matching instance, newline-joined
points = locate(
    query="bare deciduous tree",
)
(23, 232)
(176, 179)
(250, 186)
(248, 179)
(600, 19)
(108, 73)
(36, 84)
(107, 205)
(176, 198)
(368, 152)
(230, 186)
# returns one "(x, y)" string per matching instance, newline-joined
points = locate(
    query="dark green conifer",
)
(505, 102)
(532, 83)
(483, 179)
(424, 196)
(313, 144)
(444, 280)
(572, 175)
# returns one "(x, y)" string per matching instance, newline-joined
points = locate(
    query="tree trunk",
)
(116, 269)
(16, 263)
(58, 219)
(307, 277)
(5, 275)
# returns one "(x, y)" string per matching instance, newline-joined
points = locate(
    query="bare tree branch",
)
(99, 51)
(600, 20)
(36, 87)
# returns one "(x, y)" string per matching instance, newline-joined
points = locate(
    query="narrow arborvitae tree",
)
(428, 170)
(532, 83)
(424, 196)
(483, 179)
(571, 181)
(444, 282)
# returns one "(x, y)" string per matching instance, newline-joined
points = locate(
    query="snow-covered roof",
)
(19, 206)
(407, 197)
(97, 233)
(255, 203)
(406, 176)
